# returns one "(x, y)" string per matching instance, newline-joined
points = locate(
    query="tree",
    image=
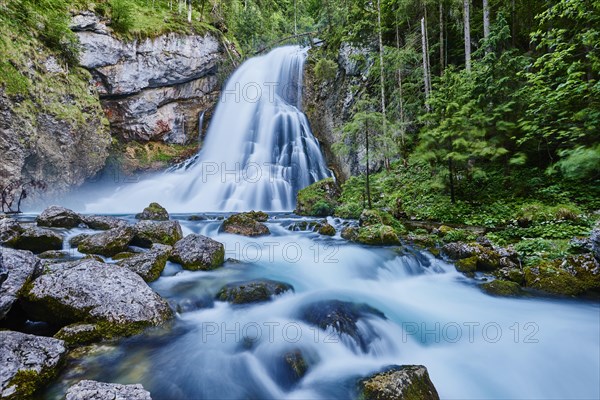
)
(467, 28)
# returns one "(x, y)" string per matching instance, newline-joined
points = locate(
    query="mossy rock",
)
(245, 224)
(154, 212)
(377, 235)
(350, 233)
(444, 230)
(252, 291)
(549, 278)
(259, 216)
(370, 218)
(319, 199)
(79, 334)
(107, 243)
(123, 255)
(467, 265)
(327, 230)
(502, 288)
(511, 274)
(407, 382)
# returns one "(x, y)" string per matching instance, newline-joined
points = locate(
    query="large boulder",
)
(244, 224)
(154, 212)
(107, 243)
(115, 298)
(197, 252)
(252, 291)
(407, 382)
(319, 199)
(148, 265)
(10, 230)
(18, 268)
(58, 217)
(502, 288)
(103, 223)
(163, 232)
(476, 256)
(572, 276)
(28, 362)
(595, 241)
(342, 318)
(36, 239)
(93, 390)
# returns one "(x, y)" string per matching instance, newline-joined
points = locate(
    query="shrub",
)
(122, 17)
(325, 69)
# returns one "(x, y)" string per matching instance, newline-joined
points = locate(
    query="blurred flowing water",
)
(474, 345)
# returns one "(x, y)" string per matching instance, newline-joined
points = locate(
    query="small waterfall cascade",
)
(258, 152)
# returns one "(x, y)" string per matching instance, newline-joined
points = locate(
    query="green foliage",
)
(325, 69)
(13, 80)
(122, 17)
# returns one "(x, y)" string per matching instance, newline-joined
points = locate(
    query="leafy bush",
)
(122, 17)
(325, 69)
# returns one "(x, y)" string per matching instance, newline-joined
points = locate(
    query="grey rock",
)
(252, 291)
(10, 230)
(163, 232)
(103, 223)
(37, 240)
(88, 21)
(58, 217)
(95, 292)
(18, 267)
(355, 61)
(107, 243)
(27, 362)
(197, 252)
(148, 265)
(154, 212)
(53, 255)
(398, 383)
(93, 390)
(595, 241)
(79, 334)
(75, 240)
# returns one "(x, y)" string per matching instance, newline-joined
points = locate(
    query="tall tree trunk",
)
(295, 17)
(189, 13)
(486, 22)
(467, 23)
(382, 79)
(442, 57)
(368, 188)
(451, 173)
(425, 65)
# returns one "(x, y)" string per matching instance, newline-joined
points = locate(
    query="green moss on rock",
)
(467, 265)
(319, 199)
(327, 230)
(502, 288)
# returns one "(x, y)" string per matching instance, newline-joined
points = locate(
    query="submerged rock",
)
(407, 382)
(327, 230)
(103, 223)
(342, 317)
(148, 265)
(296, 363)
(107, 243)
(252, 291)
(115, 298)
(502, 288)
(58, 217)
(245, 224)
(154, 212)
(17, 268)
(319, 199)
(163, 232)
(28, 362)
(93, 390)
(197, 252)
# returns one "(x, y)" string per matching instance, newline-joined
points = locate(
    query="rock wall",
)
(152, 89)
(328, 105)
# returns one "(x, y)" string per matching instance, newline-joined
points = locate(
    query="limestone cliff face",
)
(328, 105)
(151, 89)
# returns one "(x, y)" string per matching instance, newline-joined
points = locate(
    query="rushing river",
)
(475, 346)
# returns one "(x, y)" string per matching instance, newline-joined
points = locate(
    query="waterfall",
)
(259, 149)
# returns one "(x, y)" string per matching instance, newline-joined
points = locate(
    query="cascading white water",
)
(259, 150)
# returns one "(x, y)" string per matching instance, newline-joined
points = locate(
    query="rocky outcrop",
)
(154, 212)
(152, 89)
(149, 232)
(92, 390)
(58, 217)
(107, 243)
(27, 363)
(17, 268)
(31, 238)
(148, 265)
(328, 104)
(407, 382)
(197, 252)
(319, 199)
(245, 224)
(113, 297)
(595, 241)
(252, 291)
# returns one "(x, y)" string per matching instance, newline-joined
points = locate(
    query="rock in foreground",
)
(197, 252)
(19, 268)
(58, 217)
(115, 298)
(252, 291)
(407, 382)
(245, 224)
(148, 265)
(93, 390)
(31, 238)
(27, 362)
